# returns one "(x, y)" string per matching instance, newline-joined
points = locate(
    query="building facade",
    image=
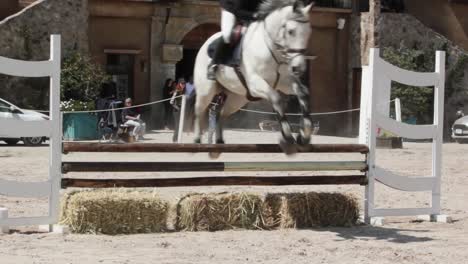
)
(141, 43)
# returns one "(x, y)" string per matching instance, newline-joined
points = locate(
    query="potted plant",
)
(80, 86)
(388, 140)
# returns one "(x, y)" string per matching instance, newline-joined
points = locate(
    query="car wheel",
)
(32, 141)
(11, 142)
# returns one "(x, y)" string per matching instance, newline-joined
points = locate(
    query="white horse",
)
(272, 60)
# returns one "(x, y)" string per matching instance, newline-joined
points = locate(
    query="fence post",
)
(55, 162)
(439, 123)
(4, 215)
(182, 118)
(398, 109)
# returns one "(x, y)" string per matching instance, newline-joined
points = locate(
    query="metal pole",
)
(398, 109)
(182, 118)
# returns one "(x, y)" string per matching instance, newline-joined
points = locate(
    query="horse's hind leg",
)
(201, 105)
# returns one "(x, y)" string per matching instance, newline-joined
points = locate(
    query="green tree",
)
(416, 101)
(81, 79)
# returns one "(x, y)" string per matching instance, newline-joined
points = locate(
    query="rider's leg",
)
(228, 21)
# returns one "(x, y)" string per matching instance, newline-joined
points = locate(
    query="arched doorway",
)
(192, 43)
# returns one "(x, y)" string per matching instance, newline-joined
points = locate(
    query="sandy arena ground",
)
(401, 240)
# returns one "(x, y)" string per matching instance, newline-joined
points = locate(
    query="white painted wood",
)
(21, 128)
(408, 184)
(55, 160)
(296, 166)
(371, 130)
(376, 221)
(412, 78)
(25, 189)
(382, 95)
(51, 128)
(400, 212)
(25, 68)
(57, 229)
(26, 221)
(439, 122)
(4, 229)
(376, 88)
(365, 100)
(398, 109)
(406, 130)
(182, 118)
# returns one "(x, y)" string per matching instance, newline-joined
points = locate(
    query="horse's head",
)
(292, 35)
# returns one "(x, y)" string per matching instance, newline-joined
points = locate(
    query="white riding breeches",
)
(138, 127)
(228, 22)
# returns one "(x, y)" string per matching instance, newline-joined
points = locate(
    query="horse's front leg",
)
(302, 93)
(260, 88)
(287, 142)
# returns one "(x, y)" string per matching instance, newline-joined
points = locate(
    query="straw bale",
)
(304, 210)
(113, 211)
(221, 211)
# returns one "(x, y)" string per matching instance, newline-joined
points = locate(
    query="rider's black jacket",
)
(242, 9)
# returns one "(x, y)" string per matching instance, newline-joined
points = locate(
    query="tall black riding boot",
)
(222, 49)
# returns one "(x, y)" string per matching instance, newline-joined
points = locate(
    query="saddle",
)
(232, 56)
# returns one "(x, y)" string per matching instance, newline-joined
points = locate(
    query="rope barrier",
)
(242, 109)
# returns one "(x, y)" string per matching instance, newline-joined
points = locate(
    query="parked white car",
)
(9, 110)
(460, 130)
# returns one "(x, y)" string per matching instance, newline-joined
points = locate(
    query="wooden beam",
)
(211, 166)
(214, 181)
(221, 148)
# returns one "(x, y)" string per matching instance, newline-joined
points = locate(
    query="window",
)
(334, 3)
(4, 107)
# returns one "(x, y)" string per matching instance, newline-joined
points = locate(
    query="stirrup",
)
(211, 74)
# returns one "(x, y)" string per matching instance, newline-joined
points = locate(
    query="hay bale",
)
(213, 212)
(304, 210)
(114, 212)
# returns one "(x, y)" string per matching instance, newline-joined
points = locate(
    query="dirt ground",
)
(401, 240)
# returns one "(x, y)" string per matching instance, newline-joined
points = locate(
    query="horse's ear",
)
(297, 6)
(306, 9)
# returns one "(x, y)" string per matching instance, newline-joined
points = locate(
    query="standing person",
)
(190, 93)
(190, 88)
(176, 102)
(232, 11)
(167, 94)
(214, 114)
(132, 118)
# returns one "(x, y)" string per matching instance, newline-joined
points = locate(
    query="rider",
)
(232, 10)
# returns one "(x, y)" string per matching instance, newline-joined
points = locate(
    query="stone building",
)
(141, 43)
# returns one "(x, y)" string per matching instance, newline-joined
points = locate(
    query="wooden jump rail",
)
(212, 166)
(214, 181)
(224, 148)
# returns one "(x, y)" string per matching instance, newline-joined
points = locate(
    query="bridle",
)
(286, 53)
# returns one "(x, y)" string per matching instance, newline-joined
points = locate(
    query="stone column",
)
(375, 7)
(163, 65)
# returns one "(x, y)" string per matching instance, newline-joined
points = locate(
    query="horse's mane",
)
(268, 6)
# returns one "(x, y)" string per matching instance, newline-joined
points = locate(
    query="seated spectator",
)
(132, 118)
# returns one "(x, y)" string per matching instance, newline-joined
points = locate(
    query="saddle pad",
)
(233, 58)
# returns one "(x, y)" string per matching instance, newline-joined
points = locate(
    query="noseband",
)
(286, 53)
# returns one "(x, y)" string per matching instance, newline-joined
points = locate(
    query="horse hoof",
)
(214, 155)
(220, 141)
(288, 147)
(197, 141)
(301, 141)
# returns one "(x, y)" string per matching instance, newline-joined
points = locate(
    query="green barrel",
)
(80, 126)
